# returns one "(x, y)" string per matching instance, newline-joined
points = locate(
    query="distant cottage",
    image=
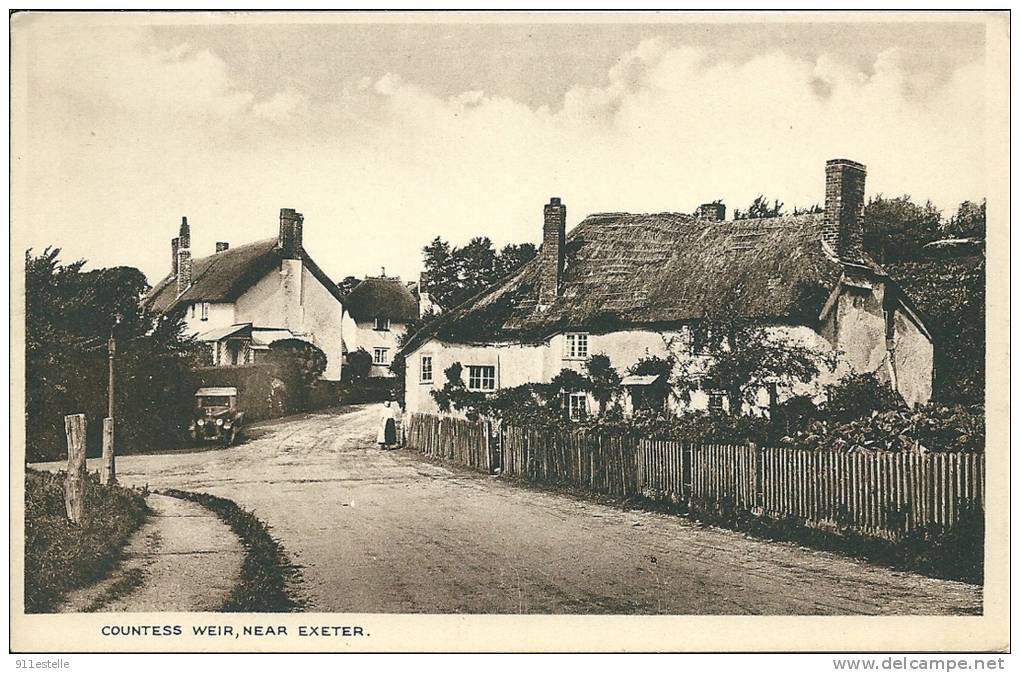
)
(240, 300)
(624, 285)
(376, 314)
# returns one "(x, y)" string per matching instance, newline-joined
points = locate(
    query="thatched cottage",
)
(241, 300)
(632, 285)
(376, 314)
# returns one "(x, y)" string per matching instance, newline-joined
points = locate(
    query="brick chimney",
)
(844, 208)
(712, 212)
(175, 243)
(290, 232)
(221, 246)
(182, 259)
(554, 235)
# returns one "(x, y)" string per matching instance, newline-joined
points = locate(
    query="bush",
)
(857, 396)
(60, 556)
(300, 364)
(934, 427)
(359, 365)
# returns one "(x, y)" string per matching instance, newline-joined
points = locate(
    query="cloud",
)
(382, 165)
(281, 107)
(119, 67)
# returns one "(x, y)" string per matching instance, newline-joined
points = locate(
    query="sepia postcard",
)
(509, 331)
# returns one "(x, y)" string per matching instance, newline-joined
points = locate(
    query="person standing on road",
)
(387, 426)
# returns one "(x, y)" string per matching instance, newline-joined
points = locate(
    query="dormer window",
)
(382, 325)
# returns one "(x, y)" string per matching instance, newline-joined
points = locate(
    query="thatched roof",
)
(225, 276)
(381, 297)
(654, 269)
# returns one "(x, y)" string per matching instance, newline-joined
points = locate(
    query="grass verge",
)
(266, 569)
(60, 556)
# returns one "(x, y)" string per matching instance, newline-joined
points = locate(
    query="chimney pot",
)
(712, 212)
(291, 223)
(554, 234)
(185, 233)
(843, 225)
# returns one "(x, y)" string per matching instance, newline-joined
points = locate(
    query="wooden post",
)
(108, 475)
(74, 482)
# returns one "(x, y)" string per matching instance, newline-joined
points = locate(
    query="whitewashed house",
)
(633, 285)
(240, 300)
(376, 314)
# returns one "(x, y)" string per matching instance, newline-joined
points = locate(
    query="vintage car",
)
(216, 416)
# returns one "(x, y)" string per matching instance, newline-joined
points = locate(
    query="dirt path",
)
(383, 531)
(183, 559)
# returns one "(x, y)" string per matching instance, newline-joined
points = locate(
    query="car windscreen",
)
(213, 401)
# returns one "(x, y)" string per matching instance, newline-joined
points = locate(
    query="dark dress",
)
(390, 433)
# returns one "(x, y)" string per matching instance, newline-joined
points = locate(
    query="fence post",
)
(108, 475)
(74, 482)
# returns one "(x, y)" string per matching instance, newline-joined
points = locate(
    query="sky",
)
(387, 135)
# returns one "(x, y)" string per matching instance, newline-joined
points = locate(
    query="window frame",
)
(572, 343)
(431, 369)
(577, 402)
(205, 310)
(383, 321)
(385, 352)
(480, 387)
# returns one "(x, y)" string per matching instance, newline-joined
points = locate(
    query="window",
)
(577, 347)
(577, 406)
(701, 340)
(192, 311)
(426, 369)
(205, 310)
(715, 402)
(382, 324)
(380, 356)
(481, 377)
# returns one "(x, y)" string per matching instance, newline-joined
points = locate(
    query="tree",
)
(897, 229)
(968, 222)
(512, 257)
(69, 315)
(347, 284)
(745, 356)
(760, 208)
(603, 380)
(477, 263)
(442, 273)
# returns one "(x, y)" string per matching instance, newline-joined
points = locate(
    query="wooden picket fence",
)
(884, 494)
(456, 440)
(598, 463)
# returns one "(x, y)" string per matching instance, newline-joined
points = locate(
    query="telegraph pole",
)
(108, 473)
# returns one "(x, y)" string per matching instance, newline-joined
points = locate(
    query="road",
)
(385, 531)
